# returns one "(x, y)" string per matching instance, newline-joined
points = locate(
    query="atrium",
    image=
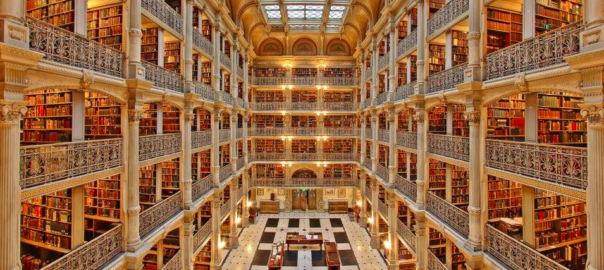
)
(290, 134)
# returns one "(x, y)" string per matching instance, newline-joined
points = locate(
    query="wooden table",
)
(332, 257)
(276, 259)
(307, 239)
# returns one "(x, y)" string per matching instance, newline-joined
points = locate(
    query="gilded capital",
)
(473, 117)
(419, 118)
(134, 116)
(12, 110)
(594, 116)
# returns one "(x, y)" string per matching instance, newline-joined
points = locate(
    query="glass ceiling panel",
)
(306, 17)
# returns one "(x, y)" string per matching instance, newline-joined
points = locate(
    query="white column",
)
(188, 51)
(392, 116)
(374, 143)
(216, 146)
(215, 238)
(233, 241)
(421, 158)
(421, 50)
(133, 208)
(362, 211)
(475, 182)
(216, 68)
(363, 138)
(135, 70)
(474, 39)
(393, 219)
(375, 228)
(186, 157)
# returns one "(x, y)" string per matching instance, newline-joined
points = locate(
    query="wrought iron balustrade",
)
(406, 139)
(383, 172)
(407, 187)
(449, 146)
(204, 232)
(43, 164)
(304, 80)
(304, 106)
(366, 103)
(268, 182)
(225, 60)
(225, 172)
(201, 186)
(159, 213)
(201, 138)
(240, 72)
(239, 133)
(61, 46)
(384, 135)
(451, 214)
(538, 52)
(447, 79)
(405, 91)
(451, 11)
(369, 193)
(226, 97)
(205, 91)
(240, 193)
(165, 13)
(340, 156)
(407, 44)
(339, 81)
(368, 73)
(239, 102)
(305, 156)
(383, 208)
(225, 208)
(382, 98)
(269, 156)
(338, 106)
(154, 146)
(367, 163)
(368, 133)
(175, 263)
(266, 131)
(434, 263)
(345, 131)
(383, 61)
(563, 165)
(406, 234)
(270, 81)
(224, 135)
(304, 131)
(203, 43)
(269, 106)
(240, 163)
(162, 77)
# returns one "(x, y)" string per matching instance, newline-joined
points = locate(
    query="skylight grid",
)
(305, 11)
(336, 12)
(273, 11)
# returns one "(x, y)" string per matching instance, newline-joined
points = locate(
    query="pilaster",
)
(216, 145)
(421, 231)
(392, 227)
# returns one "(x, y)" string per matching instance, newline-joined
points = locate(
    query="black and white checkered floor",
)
(353, 243)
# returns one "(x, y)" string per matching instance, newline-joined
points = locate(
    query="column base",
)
(216, 267)
(363, 222)
(233, 242)
(592, 267)
(133, 247)
(392, 266)
(472, 246)
(375, 242)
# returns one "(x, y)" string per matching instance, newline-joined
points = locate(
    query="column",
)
(245, 76)
(188, 42)
(393, 219)
(135, 69)
(215, 238)
(392, 116)
(245, 131)
(421, 50)
(363, 77)
(245, 202)
(133, 206)
(473, 71)
(320, 201)
(374, 69)
(233, 241)
(188, 230)
(188, 180)
(234, 64)
(363, 137)
(363, 206)
(392, 54)
(216, 65)
(375, 227)
(216, 145)
(475, 172)
(234, 141)
(374, 143)
(421, 245)
(421, 157)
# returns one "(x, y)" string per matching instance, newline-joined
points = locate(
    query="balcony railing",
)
(239, 102)
(515, 254)
(330, 81)
(434, 263)
(538, 52)
(405, 91)
(266, 131)
(162, 77)
(42, 164)
(368, 73)
(92, 254)
(165, 13)
(270, 80)
(407, 44)
(239, 133)
(225, 172)
(405, 233)
(304, 106)
(562, 165)
(240, 72)
(159, 213)
(341, 131)
(304, 81)
(304, 131)
(225, 60)
(384, 60)
(269, 156)
(154, 146)
(368, 133)
(383, 172)
(224, 135)
(449, 146)
(226, 97)
(225, 209)
(383, 208)
(382, 97)
(268, 106)
(406, 139)
(407, 187)
(366, 103)
(240, 193)
(175, 263)
(201, 138)
(447, 14)
(268, 182)
(304, 182)
(451, 214)
(204, 91)
(367, 163)
(204, 232)
(447, 79)
(340, 156)
(338, 106)
(203, 43)
(369, 193)
(305, 156)
(240, 163)
(384, 135)
(201, 186)
(339, 81)
(67, 48)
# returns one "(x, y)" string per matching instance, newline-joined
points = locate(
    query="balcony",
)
(368, 134)
(203, 43)
(383, 172)
(446, 80)
(304, 156)
(303, 131)
(369, 193)
(406, 139)
(239, 133)
(225, 97)
(201, 186)
(341, 131)
(239, 102)
(366, 103)
(368, 73)
(225, 209)
(225, 172)
(340, 156)
(159, 213)
(339, 81)
(240, 163)
(449, 146)
(305, 81)
(201, 138)
(367, 163)
(240, 193)
(308, 81)
(64, 47)
(163, 78)
(225, 60)
(304, 182)
(405, 91)
(165, 13)
(434, 263)
(382, 98)
(175, 263)
(384, 135)
(384, 60)
(92, 254)
(406, 234)
(270, 80)
(200, 236)
(406, 187)
(304, 106)
(269, 106)
(446, 15)
(154, 146)
(43, 164)
(204, 91)
(515, 254)
(449, 213)
(338, 106)
(562, 165)
(539, 52)
(224, 135)
(266, 131)
(240, 72)
(407, 45)
(383, 209)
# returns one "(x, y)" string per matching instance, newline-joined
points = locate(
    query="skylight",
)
(336, 12)
(305, 11)
(273, 11)
(299, 16)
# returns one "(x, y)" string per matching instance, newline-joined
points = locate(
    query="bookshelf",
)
(304, 96)
(402, 74)
(269, 96)
(338, 146)
(460, 47)
(270, 171)
(460, 188)
(436, 58)
(59, 13)
(103, 116)
(269, 121)
(338, 72)
(175, 4)
(402, 213)
(148, 122)
(205, 119)
(338, 96)
(504, 28)
(226, 82)
(401, 158)
(435, 5)
(413, 71)
(170, 179)
(304, 146)
(504, 198)
(102, 199)
(339, 121)
(437, 244)
(171, 244)
(206, 73)
(105, 26)
(205, 163)
(269, 146)
(403, 119)
(171, 119)
(196, 66)
(437, 178)
(552, 14)
(206, 29)
(413, 167)
(381, 84)
(304, 72)
(204, 257)
(383, 155)
(338, 171)
(150, 45)
(458, 260)
(147, 186)
(301, 121)
(368, 149)
(559, 119)
(172, 56)
(270, 72)
(437, 120)
(225, 155)
(46, 222)
(402, 30)
(382, 123)
(506, 118)
(48, 118)
(150, 259)
(194, 167)
(460, 124)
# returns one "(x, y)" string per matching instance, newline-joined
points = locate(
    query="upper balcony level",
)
(287, 77)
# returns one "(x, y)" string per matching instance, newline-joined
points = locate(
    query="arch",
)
(355, 28)
(304, 173)
(243, 9)
(367, 11)
(304, 47)
(271, 47)
(337, 47)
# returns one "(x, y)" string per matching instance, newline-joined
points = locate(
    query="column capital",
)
(473, 117)
(594, 116)
(134, 116)
(12, 110)
(419, 117)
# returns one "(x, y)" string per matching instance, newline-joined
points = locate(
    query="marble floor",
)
(255, 243)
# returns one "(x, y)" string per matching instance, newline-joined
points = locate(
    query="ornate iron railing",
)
(382, 97)
(434, 263)
(226, 97)
(269, 156)
(405, 91)
(384, 135)
(383, 172)
(339, 81)
(305, 156)
(65, 47)
(203, 43)
(153, 146)
(304, 182)
(224, 135)
(451, 214)
(269, 182)
(306, 131)
(269, 106)
(202, 234)
(449, 146)
(240, 163)
(175, 263)
(159, 213)
(225, 172)
(366, 103)
(515, 254)
(447, 14)
(538, 52)
(162, 77)
(240, 193)
(266, 131)
(205, 91)
(384, 60)
(562, 165)
(225, 60)
(92, 254)
(405, 233)
(304, 106)
(407, 139)
(407, 187)
(369, 193)
(239, 102)
(407, 44)
(447, 79)
(240, 72)
(42, 164)
(339, 156)
(351, 131)
(225, 208)
(383, 208)
(368, 133)
(201, 186)
(165, 13)
(239, 133)
(270, 80)
(338, 106)
(368, 73)
(304, 81)
(367, 163)
(201, 138)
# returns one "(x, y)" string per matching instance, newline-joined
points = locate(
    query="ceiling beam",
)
(283, 16)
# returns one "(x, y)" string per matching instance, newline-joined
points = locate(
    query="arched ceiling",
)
(328, 19)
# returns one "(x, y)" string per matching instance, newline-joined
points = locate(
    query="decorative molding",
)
(11, 111)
